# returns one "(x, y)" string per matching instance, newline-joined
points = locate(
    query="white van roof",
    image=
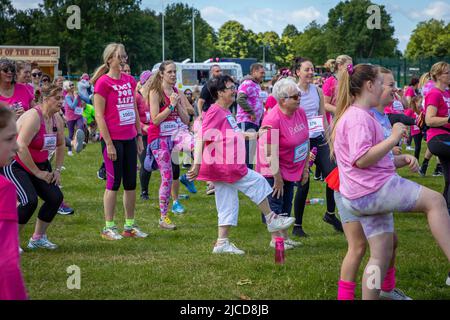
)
(202, 65)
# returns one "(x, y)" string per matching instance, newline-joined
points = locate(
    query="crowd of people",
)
(259, 139)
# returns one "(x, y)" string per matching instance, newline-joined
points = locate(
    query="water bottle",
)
(314, 151)
(316, 201)
(279, 250)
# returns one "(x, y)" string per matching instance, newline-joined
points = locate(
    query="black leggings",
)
(29, 188)
(417, 145)
(144, 175)
(324, 163)
(440, 147)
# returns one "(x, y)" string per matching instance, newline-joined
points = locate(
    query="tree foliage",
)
(429, 39)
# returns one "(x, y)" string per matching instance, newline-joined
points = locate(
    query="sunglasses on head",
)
(36, 74)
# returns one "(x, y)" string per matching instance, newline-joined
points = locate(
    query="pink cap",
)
(145, 75)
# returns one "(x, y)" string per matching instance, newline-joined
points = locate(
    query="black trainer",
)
(334, 221)
(298, 231)
(144, 195)
(101, 173)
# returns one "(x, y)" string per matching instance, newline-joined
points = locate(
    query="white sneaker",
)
(20, 250)
(279, 223)
(227, 247)
(286, 245)
(70, 153)
(292, 242)
(448, 280)
(395, 294)
(409, 148)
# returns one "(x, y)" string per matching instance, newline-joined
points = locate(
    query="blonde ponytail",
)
(108, 53)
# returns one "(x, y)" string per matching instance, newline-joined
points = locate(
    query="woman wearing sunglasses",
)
(13, 95)
(312, 103)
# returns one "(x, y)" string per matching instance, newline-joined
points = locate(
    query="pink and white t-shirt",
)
(21, 96)
(356, 133)
(11, 282)
(290, 135)
(120, 115)
(396, 107)
(252, 90)
(440, 100)
(329, 89)
(223, 156)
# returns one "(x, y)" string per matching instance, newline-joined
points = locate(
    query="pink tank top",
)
(42, 142)
(167, 127)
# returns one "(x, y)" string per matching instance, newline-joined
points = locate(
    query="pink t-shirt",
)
(21, 95)
(11, 282)
(252, 90)
(410, 92)
(395, 107)
(144, 112)
(291, 137)
(72, 114)
(414, 129)
(270, 103)
(119, 95)
(329, 89)
(440, 100)
(356, 132)
(223, 156)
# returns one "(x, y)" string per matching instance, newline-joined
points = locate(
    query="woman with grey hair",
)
(283, 151)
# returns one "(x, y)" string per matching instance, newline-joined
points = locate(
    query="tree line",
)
(139, 30)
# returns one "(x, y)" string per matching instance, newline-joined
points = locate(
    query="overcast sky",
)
(265, 15)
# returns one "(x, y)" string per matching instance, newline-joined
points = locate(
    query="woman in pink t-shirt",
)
(330, 85)
(11, 282)
(220, 158)
(283, 151)
(118, 120)
(437, 106)
(74, 107)
(410, 91)
(13, 95)
(416, 132)
(368, 182)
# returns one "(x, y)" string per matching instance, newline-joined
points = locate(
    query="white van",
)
(190, 75)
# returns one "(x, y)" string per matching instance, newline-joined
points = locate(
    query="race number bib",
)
(397, 105)
(315, 124)
(301, 152)
(168, 128)
(78, 111)
(232, 121)
(49, 142)
(127, 116)
(147, 116)
(416, 128)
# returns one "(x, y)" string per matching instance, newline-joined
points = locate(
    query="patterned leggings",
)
(162, 149)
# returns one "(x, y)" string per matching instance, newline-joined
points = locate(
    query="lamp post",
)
(264, 46)
(162, 30)
(193, 34)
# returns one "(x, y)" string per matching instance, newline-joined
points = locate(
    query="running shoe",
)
(279, 223)
(42, 242)
(395, 294)
(166, 223)
(177, 208)
(144, 196)
(448, 280)
(227, 247)
(298, 231)
(79, 139)
(70, 153)
(111, 234)
(409, 148)
(334, 221)
(292, 242)
(188, 184)
(65, 210)
(20, 250)
(133, 232)
(101, 173)
(286, 246)
(437, 174)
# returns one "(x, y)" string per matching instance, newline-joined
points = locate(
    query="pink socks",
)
(346, 290)
(389, 281)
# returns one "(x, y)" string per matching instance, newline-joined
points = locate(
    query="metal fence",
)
(405, 69)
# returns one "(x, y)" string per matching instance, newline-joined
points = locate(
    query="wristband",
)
(171, 108)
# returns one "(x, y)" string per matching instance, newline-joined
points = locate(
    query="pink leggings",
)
(162, 151)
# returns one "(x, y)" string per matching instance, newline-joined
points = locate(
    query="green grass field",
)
(179, 264)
